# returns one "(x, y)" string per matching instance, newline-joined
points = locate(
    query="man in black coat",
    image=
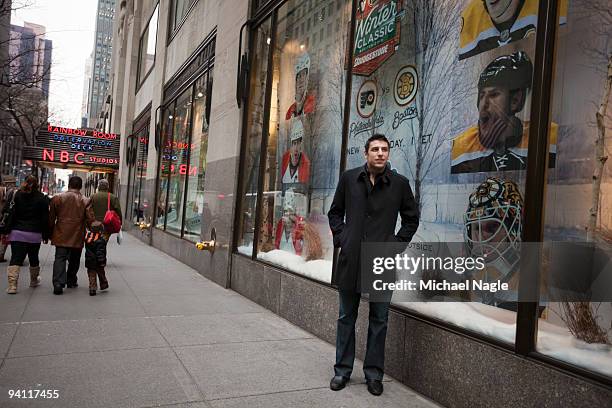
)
(367, 202)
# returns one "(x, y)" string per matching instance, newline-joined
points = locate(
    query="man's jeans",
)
(374, 362)
(63, 254)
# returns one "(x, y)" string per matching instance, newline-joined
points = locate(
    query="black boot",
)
(57, 290)
(92, 292)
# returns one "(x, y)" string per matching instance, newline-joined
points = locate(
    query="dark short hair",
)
(75, 183)
(29, 184)
(377, 136)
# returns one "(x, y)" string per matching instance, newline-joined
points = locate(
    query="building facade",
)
(239, 118)
(31, 55)
(101, 62)
(86, 91)
(26, 100)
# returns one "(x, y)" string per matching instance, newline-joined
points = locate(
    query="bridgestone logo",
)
(374, 54)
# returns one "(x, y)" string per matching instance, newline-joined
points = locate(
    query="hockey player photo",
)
(488, 24)
(499, 141)
(304, 102)
(492, 230)
(295, 165)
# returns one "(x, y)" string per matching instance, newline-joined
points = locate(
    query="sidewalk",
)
(163, 335)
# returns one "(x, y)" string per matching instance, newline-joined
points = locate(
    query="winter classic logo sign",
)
(377, 34)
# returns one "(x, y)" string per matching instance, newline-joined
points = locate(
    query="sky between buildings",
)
(70, 25)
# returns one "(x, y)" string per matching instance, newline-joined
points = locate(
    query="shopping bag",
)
(112, 222)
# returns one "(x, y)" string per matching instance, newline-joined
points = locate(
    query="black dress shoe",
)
(338, 382)
(57, 290)
(92, 292)
(375, 387)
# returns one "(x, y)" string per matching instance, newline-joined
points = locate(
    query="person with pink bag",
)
(107, 210)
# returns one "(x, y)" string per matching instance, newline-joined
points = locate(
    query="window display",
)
(179, 151)
(450, 86)
(252, 148)
(182, 207)
(139, 155)
(302, 163)
(578, 209)
(197, 212)
(166, 159)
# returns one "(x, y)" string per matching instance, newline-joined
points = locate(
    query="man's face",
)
(489, 230)
(301, 83)
(296, 151)
(501, 11)
(493, 115)
(377, 155)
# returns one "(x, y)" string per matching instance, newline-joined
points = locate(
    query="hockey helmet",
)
(302, 62)
(513, 72)
(297, 130)
(493, 220)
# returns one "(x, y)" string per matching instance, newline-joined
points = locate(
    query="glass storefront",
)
(182, 203)
(138, 150)
(303, 136)
(252, 147)
(451, 87)
(579, 189)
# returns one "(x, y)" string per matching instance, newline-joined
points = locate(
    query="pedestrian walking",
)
(365, 207)
(69, 213)
(7, 189)
(95, 257)
(103, 200)
(28, 229)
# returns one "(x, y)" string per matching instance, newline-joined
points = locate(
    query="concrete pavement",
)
(163, 335)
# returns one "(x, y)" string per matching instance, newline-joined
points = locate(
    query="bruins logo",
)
(405, 85)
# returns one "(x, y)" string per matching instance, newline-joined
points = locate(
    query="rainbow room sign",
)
(377, 34)
(82, 147)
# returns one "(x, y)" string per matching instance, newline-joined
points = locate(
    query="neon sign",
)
(75, 146)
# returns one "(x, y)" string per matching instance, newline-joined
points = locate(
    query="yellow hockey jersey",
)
(468, 155)
(479, 34)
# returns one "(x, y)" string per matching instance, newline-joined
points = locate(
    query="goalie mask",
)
(493, 224)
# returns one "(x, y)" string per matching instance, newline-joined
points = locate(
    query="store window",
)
(303, 138)
(253, 138)
(146, 53)
(451, 88)
(138, 147)
(180, 148)
(454, 104)
(182, 202)
(166, 159)
(578, 329)
(197, 211)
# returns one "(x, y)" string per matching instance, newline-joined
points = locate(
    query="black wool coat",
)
(31, 212)
(361, 212)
